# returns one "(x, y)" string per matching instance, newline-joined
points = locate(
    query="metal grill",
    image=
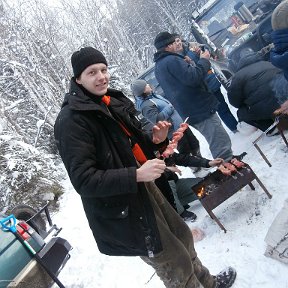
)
(215, 188)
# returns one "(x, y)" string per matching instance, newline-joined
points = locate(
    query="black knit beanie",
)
(85, 57)
(163, 39)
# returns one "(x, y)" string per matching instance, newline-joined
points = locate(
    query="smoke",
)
(280, 87)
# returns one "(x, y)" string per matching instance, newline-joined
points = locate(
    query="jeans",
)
(216, 136)
(225, 113)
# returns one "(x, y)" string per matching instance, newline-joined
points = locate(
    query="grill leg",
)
(283, 136)
(262, 154)
(212, 215)
(263, 187)
(251, 186)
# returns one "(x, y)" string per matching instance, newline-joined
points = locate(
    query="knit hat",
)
(85, 57)
(138, 87)
(163, 39)
(279, 18)
(176, 35)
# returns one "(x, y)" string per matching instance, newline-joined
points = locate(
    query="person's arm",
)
(187, 160)
(279, 54)
(152, 113)
(193, 55)
(160, 132)
(279, 60)
(187, 73)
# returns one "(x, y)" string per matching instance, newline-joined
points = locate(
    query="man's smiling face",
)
(95, 79)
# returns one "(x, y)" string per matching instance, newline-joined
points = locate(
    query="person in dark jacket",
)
(279, 54)
(184, 86)
(251, 90)
(111, 164)
(214, 86)
(279, 35)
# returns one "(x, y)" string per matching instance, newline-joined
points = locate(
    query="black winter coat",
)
(99, 160)
(251, 89)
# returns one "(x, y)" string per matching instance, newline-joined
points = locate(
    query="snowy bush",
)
(28, 175)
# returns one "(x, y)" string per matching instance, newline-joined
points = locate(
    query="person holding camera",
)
(185, 87)
(191, 52)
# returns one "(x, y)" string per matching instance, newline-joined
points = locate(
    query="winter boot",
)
(225, 278)
(186, 206)
(188, 216)
(279, 19)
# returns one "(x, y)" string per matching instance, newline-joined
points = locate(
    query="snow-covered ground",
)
(246, 215)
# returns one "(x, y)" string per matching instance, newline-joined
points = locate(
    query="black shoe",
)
(188, 216)
(186, 206)
(225, 278)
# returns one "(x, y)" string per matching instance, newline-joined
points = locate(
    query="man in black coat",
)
(251, 90)
(101, 144)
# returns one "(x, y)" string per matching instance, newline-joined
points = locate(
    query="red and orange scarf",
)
(136, 149)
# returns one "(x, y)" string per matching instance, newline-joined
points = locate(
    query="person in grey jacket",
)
(184, 86)
(156, 108)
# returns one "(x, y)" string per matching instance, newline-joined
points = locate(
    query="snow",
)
(247, 216)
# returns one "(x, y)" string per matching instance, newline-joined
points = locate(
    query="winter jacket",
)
(251, 89)
(279, 55)
(156, 108)
(184, 85)
(98, 157)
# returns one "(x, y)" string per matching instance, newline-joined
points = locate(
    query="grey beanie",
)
(138, 87)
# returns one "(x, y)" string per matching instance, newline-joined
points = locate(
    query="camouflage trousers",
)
(177, 265)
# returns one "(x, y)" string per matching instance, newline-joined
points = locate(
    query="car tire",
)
(279, 18)
(25, 212)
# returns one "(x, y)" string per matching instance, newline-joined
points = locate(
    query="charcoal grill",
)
(215, 188)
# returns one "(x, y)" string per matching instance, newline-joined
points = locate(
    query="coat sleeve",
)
(193, 55)
(187, 160)
(151, 112)
(279, 60)
(235, 93)
(85, 156)
(187, 73)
